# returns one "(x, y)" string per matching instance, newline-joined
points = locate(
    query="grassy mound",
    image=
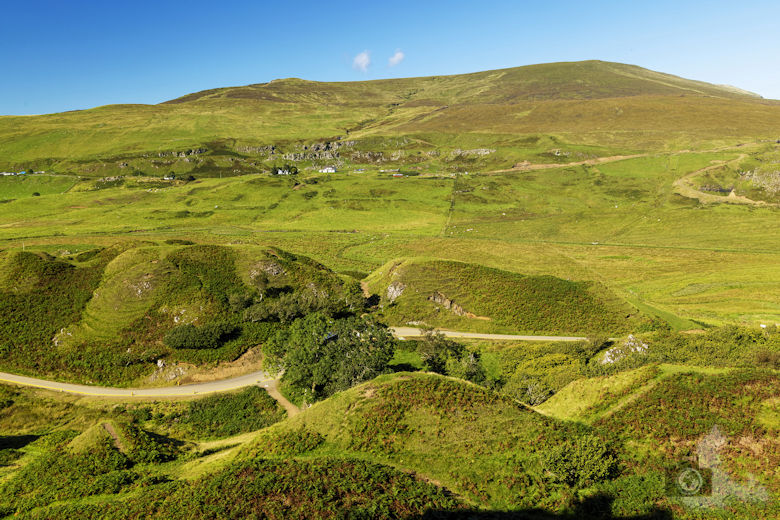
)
(474, 441)
(472, 297)
(39, 296)
(678, 411)
(669, 414)
(108, 315)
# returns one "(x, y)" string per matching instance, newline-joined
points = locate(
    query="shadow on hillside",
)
(16, 442)
(403, 367)
(594, 508)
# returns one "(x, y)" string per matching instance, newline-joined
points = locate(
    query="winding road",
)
(223, 385)
(234, 383)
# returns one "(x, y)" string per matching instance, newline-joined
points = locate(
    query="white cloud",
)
(396, 58)
(362, 61)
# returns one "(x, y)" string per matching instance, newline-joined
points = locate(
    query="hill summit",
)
(567, 80)
(593, 103)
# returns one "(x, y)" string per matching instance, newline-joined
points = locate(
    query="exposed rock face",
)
(394, 290)
(632, 345)
(368, 156)
(326, 151)
(270, 268)
(479, 152)
(185, 153)
(311, 156)
(328, 146)
(257, 150)
(448, 304)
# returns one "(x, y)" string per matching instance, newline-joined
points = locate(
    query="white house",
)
(328, 169)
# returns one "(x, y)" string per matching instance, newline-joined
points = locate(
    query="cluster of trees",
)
(321, 355)
(444, 356)
(209, 336)
(287, 305)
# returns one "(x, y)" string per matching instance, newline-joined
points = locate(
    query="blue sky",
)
(64, 55)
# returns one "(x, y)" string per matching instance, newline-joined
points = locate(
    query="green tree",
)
(581, 462)
(435, 349)
(322, 355)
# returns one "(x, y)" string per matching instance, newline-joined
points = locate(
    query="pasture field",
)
(21, 186)
(619, 224)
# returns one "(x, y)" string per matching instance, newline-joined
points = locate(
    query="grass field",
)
(21, 186)
(667, 255)
(587, 198)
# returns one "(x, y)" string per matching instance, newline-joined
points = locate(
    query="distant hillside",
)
(240, 129)
(568, 80)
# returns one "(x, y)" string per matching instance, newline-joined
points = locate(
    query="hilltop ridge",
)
(610, 108)
(591, 79)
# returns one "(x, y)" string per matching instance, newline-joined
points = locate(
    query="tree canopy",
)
(322, 355)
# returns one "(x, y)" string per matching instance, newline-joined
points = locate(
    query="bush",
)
(444, 356)
(527, 389)
(231, 414)
(581, 462)
(209, 336)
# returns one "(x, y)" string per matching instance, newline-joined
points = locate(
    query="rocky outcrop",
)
(365, 157)
(325, 151)
(270, 268)
(394, 290)
(448, 304)
(257, 150)
(328, 146)
(182, 154)
(311, 156)
(632, 346)
(476, 152)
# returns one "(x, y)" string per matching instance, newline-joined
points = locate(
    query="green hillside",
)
(197, 240)
(402, 445)
(621, 107)
(463, 296)
(108, 315)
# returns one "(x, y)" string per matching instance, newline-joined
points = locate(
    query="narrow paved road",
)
(403, 332)
(223, 385)
(234, 383)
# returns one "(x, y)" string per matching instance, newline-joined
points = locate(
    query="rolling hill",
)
(592, 103)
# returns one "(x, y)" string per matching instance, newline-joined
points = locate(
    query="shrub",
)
(527, 389)
(580, 462)
(230, 414)
(208, 336)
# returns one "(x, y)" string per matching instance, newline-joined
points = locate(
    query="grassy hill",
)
(402, 445)
(108, 314)
(593, 103)
(463, 296)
